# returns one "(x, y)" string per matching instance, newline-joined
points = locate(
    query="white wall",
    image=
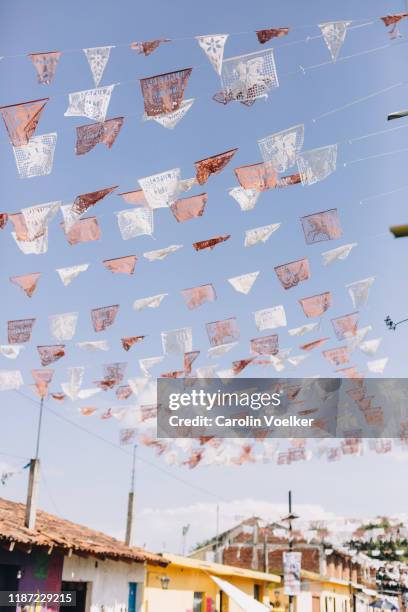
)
(109, 581)
(304, 602)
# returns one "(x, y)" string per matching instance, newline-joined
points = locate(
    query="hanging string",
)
(384, 193)
(358, 24)
(356, 161)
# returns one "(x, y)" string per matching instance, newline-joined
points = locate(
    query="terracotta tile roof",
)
(61, 534)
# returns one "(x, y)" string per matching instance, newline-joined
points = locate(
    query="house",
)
(58, 555)
(192, 585)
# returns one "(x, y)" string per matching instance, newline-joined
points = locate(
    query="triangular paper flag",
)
(98, 58)
(244, 283)
(170, 120)
(334, 33)
(213, 46)
(67, 275)
(27, 282)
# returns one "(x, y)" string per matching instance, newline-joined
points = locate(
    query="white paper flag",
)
(341, 252)
(222, 349)
(297, 359)
(208, 371)
(213, 46)
(244, 283)
(162, 253)
(138, 384)
(260, 234)
(91, 103)
(10, 380)
(135, 222)
(177, 341)
(93, 345)
(72, 387)
(354, 340)
(334, 34)
(39, 246)
(378, 366)
(147, 364)
(87, 393)
(67, 275)
(317, 164)
(150, 302)
(36, 158)
(98, 58)
(63, 326)
(370, 347)
(359, 291)
(246, 198)
(161, 190)
(281, 149)
(11, 351)
(38, 217)
(270, 318)
(170, 120)
(70, 216)
(303, 329)
(248, 77)
(187, 184)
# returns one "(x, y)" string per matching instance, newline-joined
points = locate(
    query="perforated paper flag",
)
(146, 365)
(106, 132)
(67, 275)
(246, 198)
(148, 46)
(38, 217)
(98, 58)
(281, 148)
(45, 65)
(136, 222)
(223, 332)
(27, 282)
(212, 165)
(213, 46)
(370, 347)
(260, 234)
(304, 329)
(267, 345)
(104, 317)
(189, 208)
(378, 366)
(317, 164)
(334, 34)
(197, 296)
(248, 77)
(266, 35)
(19, 332)
(316, 305)
(163, 93)
(341, 252)
(150, 302)
(177, 341)
(84, 230)
(161, 190)
(63, 326)
(50, 354)
(10, 380)
(36, 158)
(72, 386)
(359, 291)
(244, 283)
(170, 120)
(337, 356)
(162, 253)
(354, 339)
(345, 325)
(259, 177)
(91, 103)
(321, 226)
(84, 201)
(293, 273)
(21, 120)
(121, 265)
(210, 243)
(270, 318)
(11, 351)
(221, 349)
(93, 345)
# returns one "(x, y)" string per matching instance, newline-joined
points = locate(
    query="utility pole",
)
(217, 533)
(34, 477)
(290, 518)
(131, 502)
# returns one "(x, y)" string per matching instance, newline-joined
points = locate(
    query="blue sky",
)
(85, 479)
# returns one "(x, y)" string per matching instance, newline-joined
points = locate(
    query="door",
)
(132, 596)
(198, 602)
(8, 581)
(80, 589)
(315, 603)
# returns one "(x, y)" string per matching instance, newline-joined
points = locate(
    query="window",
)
(198, 602)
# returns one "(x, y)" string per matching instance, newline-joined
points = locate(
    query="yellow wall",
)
(183, 583)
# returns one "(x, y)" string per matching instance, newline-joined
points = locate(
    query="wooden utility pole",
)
(34, 478)
(291, 597)
(131, 502)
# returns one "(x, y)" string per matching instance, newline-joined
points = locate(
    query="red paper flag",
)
(212, 165)
(321, 226)
(222, 332)
(147, 47)
(189, 208)
(20, 331)
(3, 220)
(196, 296)
(266, 35)
(42, 379)
(104, 317)
(189, 359)
(210, 243)
(260, 176)
(164, 93)
(267, 345)
(137, 198)
(291, 274)
(21, 120)
(86, 200)
(337, 356)
(312, 345)
(127, 343)
(88, 136)
(49, 354)
(84, 230)
(45, 65)
(316, 305)
(121, 265)
(27, 282)
(345, 325)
